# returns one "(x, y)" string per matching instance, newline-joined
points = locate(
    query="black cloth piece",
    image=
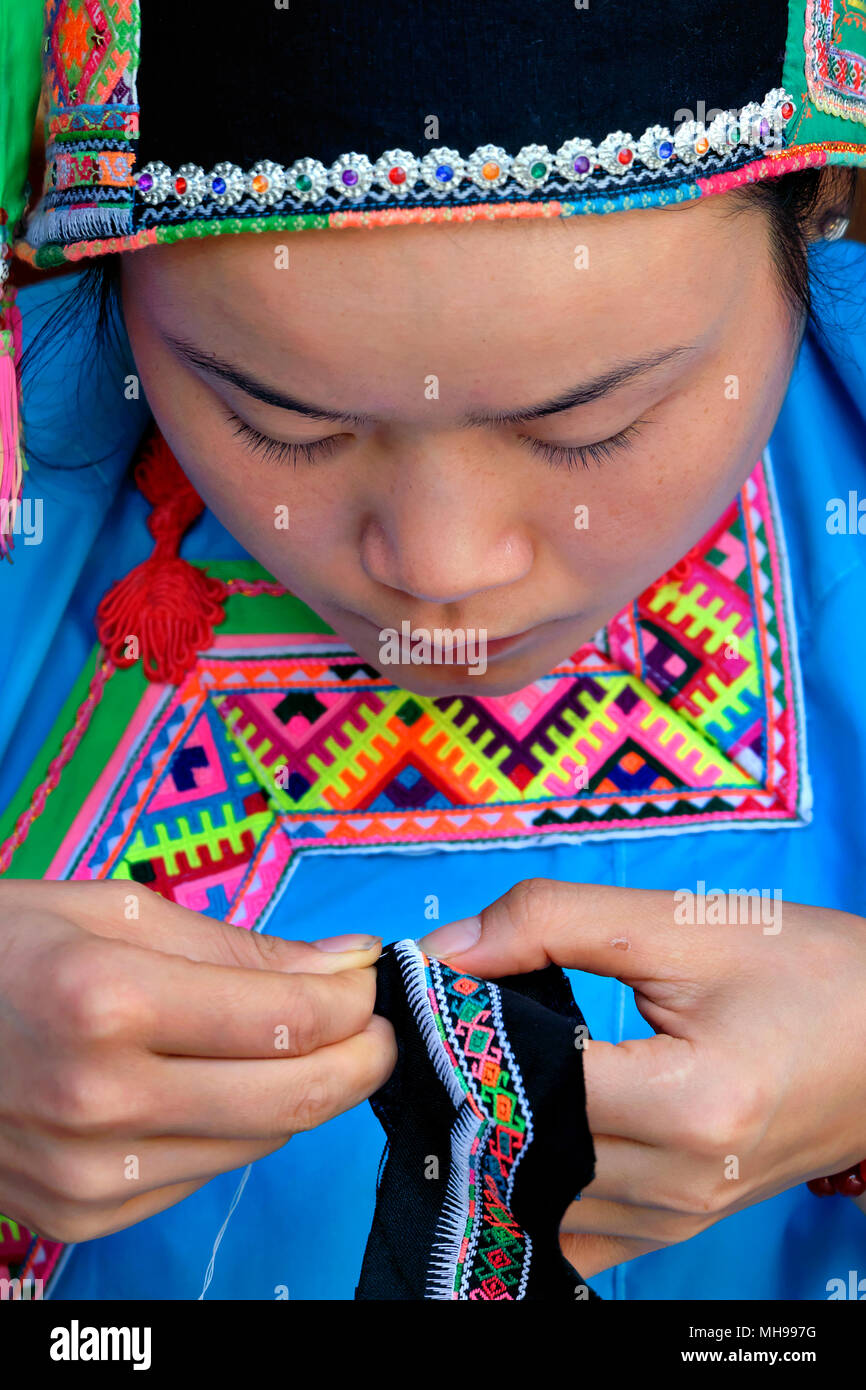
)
(424, 1199)
(321, 80)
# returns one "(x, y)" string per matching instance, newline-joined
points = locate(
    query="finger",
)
(147, 1204)
(69, 1223)
(601, 1218)
(52, 1216)
(653, 1175)
(103, 1174)
(127, 912)
(195, 1009)
(262, 1100)
(630, 934)
(591, 1254)
(640, 1089)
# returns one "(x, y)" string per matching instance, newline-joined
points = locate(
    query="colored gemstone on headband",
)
(489, 166)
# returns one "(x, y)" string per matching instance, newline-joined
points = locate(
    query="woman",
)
(470, 448)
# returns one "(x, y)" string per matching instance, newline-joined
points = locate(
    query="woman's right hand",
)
(146, 1048)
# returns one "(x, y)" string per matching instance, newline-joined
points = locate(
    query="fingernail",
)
(347, 943)
(453, 938)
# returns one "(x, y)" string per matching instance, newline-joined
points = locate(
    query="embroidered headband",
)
(161, 125)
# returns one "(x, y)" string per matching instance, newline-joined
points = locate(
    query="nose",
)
(440, 529)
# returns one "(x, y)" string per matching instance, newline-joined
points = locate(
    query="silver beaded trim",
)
(444, 170)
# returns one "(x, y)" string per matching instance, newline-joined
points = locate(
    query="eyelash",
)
(572, 455)
(277, 450)
(557, 455)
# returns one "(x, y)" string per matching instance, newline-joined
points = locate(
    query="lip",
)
(494, 647)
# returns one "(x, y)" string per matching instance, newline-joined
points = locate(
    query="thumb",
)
(591, 1254)
(123, 910)
(628, 933)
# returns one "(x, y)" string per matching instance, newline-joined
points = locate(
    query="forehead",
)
(343, 314)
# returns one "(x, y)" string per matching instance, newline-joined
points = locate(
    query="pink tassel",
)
(12, 463)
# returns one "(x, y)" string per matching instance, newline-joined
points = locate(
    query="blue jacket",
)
(300, 1226)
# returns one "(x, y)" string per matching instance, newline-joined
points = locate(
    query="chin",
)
(500, 678)
(502, 672)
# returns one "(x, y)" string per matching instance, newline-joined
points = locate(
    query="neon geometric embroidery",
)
(835, 73)
(479, 1249)
(683, 714)
(28, 1258)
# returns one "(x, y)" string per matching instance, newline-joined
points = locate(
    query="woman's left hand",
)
(754, 1082)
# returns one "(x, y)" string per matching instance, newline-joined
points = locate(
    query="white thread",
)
(453, 1215)
(79, 224)
(412, 969)
(208, 1275)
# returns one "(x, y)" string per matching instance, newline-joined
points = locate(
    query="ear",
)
(831, 216)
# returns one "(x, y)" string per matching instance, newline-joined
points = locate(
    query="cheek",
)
(617, 527)
(287, 519)
(707, 441)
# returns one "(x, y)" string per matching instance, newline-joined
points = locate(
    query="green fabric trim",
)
(20, 78)
(811, 126)
(122, 694)
(47, 257)
(264, 613)
(54, 253)
(279, 222)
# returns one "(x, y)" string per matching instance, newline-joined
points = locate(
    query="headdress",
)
(163, 121)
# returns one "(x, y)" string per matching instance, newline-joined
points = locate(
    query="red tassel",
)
(165, 610)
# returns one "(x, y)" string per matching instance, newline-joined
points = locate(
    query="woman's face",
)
(507, 428)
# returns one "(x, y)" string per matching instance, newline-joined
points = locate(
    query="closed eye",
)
(582, 455)
(277, 450)
(558, 455)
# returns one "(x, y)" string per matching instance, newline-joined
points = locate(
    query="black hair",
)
(790, 202)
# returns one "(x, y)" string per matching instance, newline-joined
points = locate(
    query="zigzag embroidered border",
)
(480, 1251)
(684, 714)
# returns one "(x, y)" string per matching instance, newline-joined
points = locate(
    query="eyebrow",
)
(586, 391)
(582, 394)
(235, 376)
